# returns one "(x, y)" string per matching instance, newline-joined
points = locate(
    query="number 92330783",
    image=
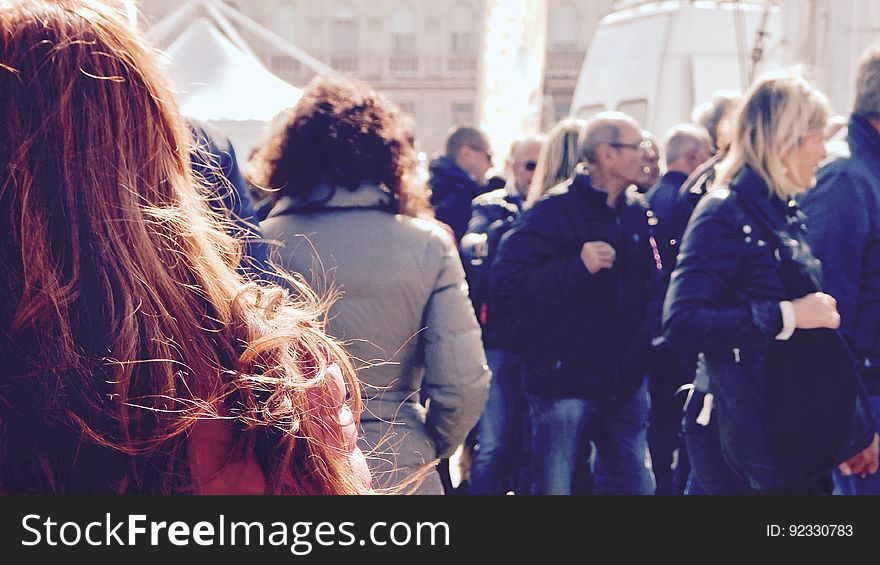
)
(809, 530)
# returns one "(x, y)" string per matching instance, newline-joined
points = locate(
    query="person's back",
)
(403, 309)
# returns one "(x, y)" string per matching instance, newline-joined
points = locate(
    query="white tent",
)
(218, 83)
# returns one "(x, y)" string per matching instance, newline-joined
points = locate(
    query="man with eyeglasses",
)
(650, 163)
(496, 462)
(458, 176)
(571, 282)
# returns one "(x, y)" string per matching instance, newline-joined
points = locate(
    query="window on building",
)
(563, 28)
(284, 20)
(285, 65)
(461, 30)
(462, 113)
(587, 112)
(345, 30)
(560, 109)
(403, 30)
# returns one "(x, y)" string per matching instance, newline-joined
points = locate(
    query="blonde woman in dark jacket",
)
(351, 218)
(777, 403)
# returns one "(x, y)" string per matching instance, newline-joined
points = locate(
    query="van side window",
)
(587, 112)
(638, 109)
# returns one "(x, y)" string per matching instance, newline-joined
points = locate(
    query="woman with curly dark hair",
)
(350, 216)
(135, 358)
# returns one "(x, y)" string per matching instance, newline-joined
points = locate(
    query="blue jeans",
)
(558, 427)
(853, 484)
(710, 473)
(495, 466)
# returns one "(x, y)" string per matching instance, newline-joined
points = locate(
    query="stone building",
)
(425, 55)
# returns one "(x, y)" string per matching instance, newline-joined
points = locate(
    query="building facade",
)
(424, 55)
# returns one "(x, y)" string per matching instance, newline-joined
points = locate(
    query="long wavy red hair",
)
(123, 322)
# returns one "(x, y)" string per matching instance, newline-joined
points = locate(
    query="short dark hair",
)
(342, 133)
(461, 136)
(867, 102)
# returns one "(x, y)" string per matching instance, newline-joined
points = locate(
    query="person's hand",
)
(597, 255)
(816, 310)
(864, 463)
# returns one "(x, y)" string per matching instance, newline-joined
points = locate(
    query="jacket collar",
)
(447, 167)
(862, 137)
(327, 197)
(748, 185)
(583, 185)
(673, 177)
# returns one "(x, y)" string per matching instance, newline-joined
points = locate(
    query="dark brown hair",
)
(342, 134)
(123, 322)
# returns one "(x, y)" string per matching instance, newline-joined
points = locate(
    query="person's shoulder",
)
(718, 203)
(494, 198)
(552, 203)
(843, 180)
(426, 230)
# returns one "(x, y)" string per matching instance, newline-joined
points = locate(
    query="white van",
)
(658, 60)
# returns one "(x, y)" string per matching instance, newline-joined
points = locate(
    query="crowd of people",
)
(610, 314)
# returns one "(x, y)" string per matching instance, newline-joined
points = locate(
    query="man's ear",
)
(604, 153)
(463, 154)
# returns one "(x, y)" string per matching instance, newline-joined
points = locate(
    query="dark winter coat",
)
(581, 335)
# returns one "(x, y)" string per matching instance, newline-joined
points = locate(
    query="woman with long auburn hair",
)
(135, 359)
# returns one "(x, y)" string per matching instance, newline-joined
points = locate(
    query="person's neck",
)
(875, 124)
(614, 187)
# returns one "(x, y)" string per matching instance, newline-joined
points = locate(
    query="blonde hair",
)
(558, 157)
(777, 113)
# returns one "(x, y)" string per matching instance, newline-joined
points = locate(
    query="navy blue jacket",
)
(843, 219)
(581, 335)
(452, 191)
(215, 164)
(493, 214)
(664, 201)
(735, 266)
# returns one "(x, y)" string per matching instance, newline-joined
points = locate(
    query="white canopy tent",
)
(218, 83)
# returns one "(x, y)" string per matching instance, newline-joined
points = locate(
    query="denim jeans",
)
(669, 371)
(496, 459)
(710, 473)
(558, 427)
(853, 484)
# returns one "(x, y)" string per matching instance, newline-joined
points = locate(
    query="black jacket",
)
(735, 266)
(843, 215)
(452, 191)
(581, 335)
(493, 214)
